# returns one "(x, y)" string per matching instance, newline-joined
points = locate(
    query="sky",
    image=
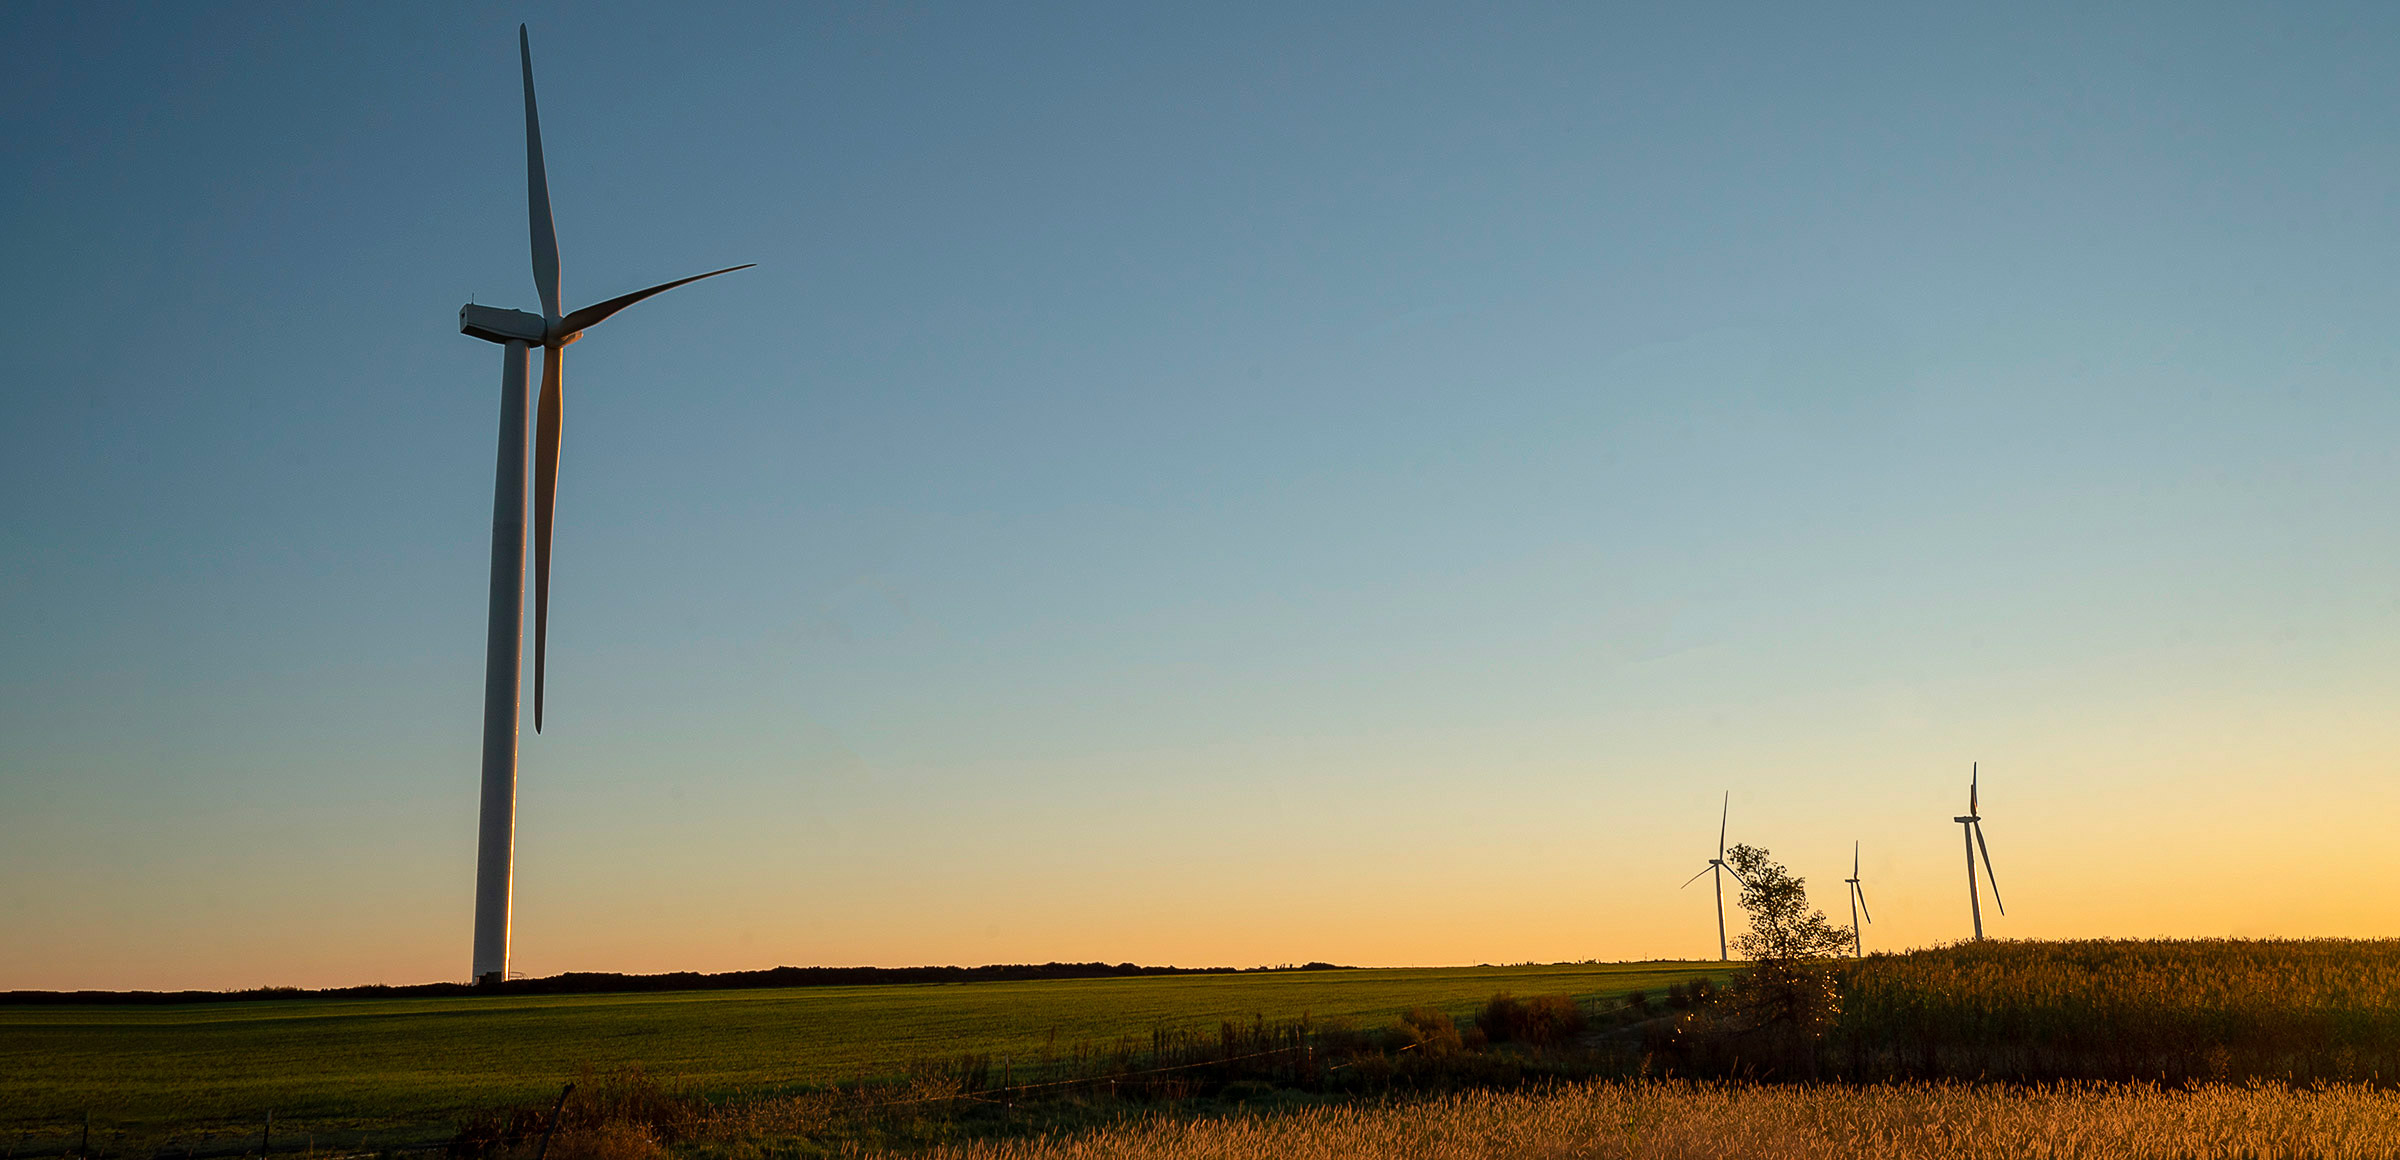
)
(1229, 485)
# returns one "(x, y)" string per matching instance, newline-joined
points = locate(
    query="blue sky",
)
(1230, 485)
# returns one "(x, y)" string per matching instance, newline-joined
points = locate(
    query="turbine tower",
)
(1718, 867)
(1858, 905)
(1972, 824)
(518, 332)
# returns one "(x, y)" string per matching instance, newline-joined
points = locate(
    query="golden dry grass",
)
(2119, 1009)
(2232, 975)
(1672, 1120)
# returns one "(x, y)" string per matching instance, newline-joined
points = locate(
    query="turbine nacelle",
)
(492, 324)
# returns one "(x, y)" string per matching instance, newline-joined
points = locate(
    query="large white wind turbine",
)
(1972, 824)
(518, 332)
(1858, 905)
(1718, 867)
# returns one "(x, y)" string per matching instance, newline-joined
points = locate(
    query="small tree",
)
(1788, 995)
(1782, 926)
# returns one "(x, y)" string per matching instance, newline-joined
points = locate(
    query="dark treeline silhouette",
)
(590, 982)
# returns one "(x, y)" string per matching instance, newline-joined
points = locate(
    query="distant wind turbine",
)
(1858, 905)
(1972, 824)
(518, 332)
(1718, 867)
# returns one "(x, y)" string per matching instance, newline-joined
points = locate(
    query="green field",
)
(403, 1070)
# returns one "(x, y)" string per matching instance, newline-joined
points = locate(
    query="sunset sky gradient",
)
(1234, 486)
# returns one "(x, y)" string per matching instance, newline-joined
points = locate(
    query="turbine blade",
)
(1861, 891)
(1854, 859)
(1988, 876)
(545, 501)
(1696, 877)
(1737, 876)
(537, 191)
(1973, 776)
(1721, 819)
(598, 312)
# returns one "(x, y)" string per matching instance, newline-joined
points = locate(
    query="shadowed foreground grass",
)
(1674, 1120)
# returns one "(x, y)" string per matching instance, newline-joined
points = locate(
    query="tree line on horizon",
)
(589, 982)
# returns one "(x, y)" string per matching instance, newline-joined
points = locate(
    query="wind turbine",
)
(1718, 867)
(1973, 825)
(518, 332)
(1858, 905)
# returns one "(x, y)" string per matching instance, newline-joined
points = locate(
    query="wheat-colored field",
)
(2121, 1008)
(1672, 1120)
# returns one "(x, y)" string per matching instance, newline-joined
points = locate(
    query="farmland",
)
(1681, 1120)
(2299, 1009)
(2200, 1048)
(393, 1070)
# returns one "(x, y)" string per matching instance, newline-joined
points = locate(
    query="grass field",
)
(394, 1070)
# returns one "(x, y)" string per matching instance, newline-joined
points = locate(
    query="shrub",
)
(1542, 1021)
(1552, 1020)
(1685, 996)
(609, 1140)
(1429, 1032)
(1340, 1037)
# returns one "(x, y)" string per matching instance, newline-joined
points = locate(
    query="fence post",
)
(556, 1111)
(85, 1148)
(266, 1135)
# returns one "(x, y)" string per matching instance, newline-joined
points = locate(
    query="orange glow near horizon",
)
(2197, 825)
